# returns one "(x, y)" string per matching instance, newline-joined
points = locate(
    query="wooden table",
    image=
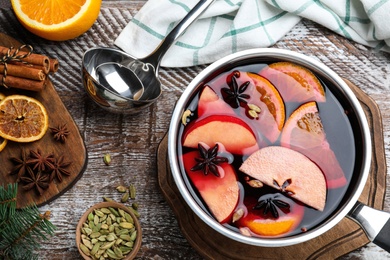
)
(132, 141)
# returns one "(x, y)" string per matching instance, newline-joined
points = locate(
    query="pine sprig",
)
(22, 231)
(7, 202)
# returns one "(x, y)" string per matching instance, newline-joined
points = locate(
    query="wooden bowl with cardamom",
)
(108, 229)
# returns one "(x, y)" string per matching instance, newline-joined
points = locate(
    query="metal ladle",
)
(137, 79)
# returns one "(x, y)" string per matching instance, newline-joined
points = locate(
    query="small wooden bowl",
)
(137, 242)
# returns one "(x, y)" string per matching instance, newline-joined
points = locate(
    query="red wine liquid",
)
(339, 133)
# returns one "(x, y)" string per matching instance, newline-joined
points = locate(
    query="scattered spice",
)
(208, 160)
(234, 94)
(39, 161)
(132, 191)
(20, 167)
(38, 180)
(270, 204)
(35, 170)
(121, 189)
(107, 159)
(185, 117)
(60, 133)
(58, 169)
(284, 186)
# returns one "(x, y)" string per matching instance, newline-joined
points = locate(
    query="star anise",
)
(59, 170)
(234, 95)
(60, 133)
(20, 167)
(208, 160)
(270, 204)
(40, 162)
(284, 187)
(37, 180)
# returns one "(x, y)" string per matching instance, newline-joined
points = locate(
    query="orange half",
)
(57, 20)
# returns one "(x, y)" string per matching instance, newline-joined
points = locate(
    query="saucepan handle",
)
(374, 222)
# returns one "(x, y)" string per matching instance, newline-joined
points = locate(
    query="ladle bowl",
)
(106, 98)
(121, 83)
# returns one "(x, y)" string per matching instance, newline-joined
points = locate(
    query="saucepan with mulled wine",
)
(272, 148)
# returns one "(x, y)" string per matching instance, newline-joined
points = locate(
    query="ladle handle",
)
(374, 222)
(155, 57)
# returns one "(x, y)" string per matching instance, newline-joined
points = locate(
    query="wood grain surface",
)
(132, 141)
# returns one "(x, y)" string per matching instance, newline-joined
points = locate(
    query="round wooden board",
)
(73, 149)
(345, 237)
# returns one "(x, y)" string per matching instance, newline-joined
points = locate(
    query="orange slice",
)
(57, 20)
(271, 98)
(304, 132)
(2, 96)
(290, 172)
(22, 119)
(3, 143)
(294, 82)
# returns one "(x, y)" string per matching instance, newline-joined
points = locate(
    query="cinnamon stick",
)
(22, 83)
(23, 72)
(33, 58)
(54, 65)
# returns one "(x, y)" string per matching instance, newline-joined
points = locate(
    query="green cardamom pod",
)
(121, 189)
(125, 197)
(132, 191)
(85, 249)
(107, 159)
(126, 225)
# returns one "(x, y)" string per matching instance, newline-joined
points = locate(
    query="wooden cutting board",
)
(73, 149)
(345, 237)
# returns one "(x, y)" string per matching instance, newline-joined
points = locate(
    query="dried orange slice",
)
(57, 20)
(3, 143)
(2, 96)
(294, 82)
(22, 119)
(304, 132)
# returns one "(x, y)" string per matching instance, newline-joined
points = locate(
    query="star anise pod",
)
(270, 204)
(284, 187)
(20, 167)
(60, 133)
(58, 169)
(208, 160)
(37, 180)
(40, 162)
(234, 94)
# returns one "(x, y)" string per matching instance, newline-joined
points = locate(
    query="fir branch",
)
(7, 202)
(21, 234)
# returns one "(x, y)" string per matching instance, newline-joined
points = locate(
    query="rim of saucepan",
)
(277, 54)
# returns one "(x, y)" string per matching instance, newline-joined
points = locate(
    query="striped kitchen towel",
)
(228, 26)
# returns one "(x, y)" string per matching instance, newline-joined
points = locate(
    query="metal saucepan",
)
(375, 223)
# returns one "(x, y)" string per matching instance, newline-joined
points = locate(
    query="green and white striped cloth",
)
(228, 26)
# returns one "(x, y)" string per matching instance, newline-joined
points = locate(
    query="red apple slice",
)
(210, 103)
(236, 136)
(290, 172)
(219, 193)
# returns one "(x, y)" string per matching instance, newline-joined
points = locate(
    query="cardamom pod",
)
(125, 197)
(126, 225)
(85, 249)
(107, 159)
(132, 191)
(121, 189)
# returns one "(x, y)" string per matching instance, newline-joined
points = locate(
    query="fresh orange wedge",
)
(295, 83)
(270, 97)
(304, 132)
(22, 119)
(57, 20)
